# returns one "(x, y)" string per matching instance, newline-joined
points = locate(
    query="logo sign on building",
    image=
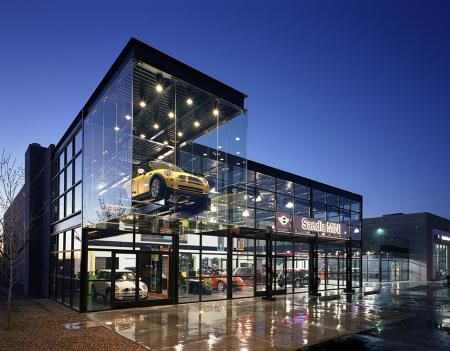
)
(441, 235)
(293, 223)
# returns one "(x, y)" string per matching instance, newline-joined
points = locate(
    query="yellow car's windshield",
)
(164, 165)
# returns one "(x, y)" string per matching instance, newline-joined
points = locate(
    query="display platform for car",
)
(166, 189)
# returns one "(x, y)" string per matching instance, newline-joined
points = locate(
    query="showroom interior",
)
(154, 200)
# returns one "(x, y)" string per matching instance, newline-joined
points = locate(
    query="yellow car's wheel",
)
(157, 187)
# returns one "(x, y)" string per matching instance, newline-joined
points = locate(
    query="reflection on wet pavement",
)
(427, 329)
(289, 323)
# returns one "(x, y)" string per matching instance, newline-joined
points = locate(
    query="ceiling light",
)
(128, 117)
(221, 159)
(196, 124)
(289, 205)
(142, 104)
(216, 112)
(205, 154)
(171, 114)
(180, 134)
(189, 101)
(116, 128)
(159, 88)
(142, 136)
(156, 126)
(166, 142)
(237, 138)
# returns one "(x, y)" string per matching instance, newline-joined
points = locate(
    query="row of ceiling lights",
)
(189, 101)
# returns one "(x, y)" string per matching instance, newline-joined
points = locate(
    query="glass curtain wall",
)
(65, 260)
(107, 155)
(65, 248)
(189, 153)
(385, 267)
(332, 267)
(441, 258)
(66, 182)
(296, 276)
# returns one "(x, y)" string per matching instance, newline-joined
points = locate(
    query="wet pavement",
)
(427, 329)
(293, 322)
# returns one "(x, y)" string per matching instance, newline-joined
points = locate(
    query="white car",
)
(125, 285)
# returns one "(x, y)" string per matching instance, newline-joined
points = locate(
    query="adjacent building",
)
(151, 200)
(406, 247)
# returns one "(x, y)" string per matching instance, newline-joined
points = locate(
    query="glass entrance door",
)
(154, 275)
(279, 275)
(260, 267)
(140, 278)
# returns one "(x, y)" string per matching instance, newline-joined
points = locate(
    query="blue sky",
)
(350, 93)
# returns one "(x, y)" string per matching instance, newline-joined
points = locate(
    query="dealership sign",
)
(441, 235)
(299, 224)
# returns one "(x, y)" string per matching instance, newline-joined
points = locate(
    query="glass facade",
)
(154, 202)
(440, 260)
(383, 266)
(66, 180)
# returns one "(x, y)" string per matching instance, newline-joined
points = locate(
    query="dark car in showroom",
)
(298, 278)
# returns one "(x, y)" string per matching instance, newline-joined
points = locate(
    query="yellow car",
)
(155, 177)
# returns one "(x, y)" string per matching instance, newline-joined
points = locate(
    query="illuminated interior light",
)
(221, 159)
(180, 134)
(196, 124)
(159, 88)
(205, 154)
(156, 126)
(216, 112)
(258, 198)
(142, 104)
(219, 147)
(237, 138)
(127, 117)
(166, 142)
(160, 157)
(238, 152)
(289, 205)
(245, 213)
(142, 136)
(116, 128)
(171, 114)
(189, 101)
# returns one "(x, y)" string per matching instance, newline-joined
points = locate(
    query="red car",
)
(219, 280)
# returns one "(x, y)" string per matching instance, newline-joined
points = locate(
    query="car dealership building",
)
(400, 246)
(150, 199)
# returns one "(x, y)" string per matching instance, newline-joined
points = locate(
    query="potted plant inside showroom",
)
(206, 286)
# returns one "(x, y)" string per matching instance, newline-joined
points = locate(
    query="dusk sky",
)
(355, 94)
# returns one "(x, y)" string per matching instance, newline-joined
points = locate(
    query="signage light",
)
(288, 223)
